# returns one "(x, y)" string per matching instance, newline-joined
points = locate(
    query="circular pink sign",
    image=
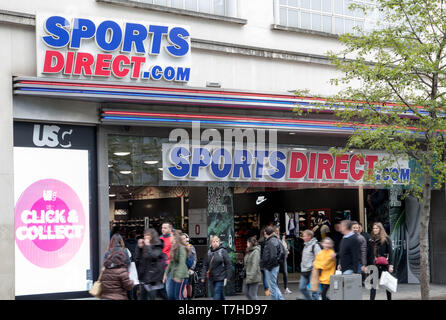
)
(49, 223)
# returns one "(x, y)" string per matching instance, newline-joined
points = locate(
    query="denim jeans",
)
(304, 281)
(265, 284)
(167, 286)
(271, 280)
(175, 291)
(347, 272)
(219, 290)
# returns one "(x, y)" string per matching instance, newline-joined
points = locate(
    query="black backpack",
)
(280, 252)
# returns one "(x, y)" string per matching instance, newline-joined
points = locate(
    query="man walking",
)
(166, 230)
(363, 246)
(311, 249)
(272, 254)
(349, 250)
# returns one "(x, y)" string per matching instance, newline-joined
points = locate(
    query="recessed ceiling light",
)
(160, 169)
(112, 195)
(121, 154)
(151, 162)
(125, 172)
(291, 133)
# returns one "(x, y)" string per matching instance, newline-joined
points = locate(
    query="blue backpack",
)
(190, 260)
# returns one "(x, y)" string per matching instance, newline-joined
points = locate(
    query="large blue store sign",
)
(108, 48)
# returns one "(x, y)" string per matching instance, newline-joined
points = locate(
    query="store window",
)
(217, 7)
(330, 16)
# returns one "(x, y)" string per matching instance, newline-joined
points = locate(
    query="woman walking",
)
(252, 269)
(325, 265)
(177, 268)
(115, 277)
(151, 265)
(382, 252)
(117, 244)
(217, 267)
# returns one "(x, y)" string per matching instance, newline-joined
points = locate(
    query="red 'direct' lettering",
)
(50, 56)
(341, 165)
(312, 169)
(324, 164)
(84, 61)
(295, 158)
(371, 163)
(356, 175)
(138, 61)
(69, 63)
(103, 62)
(116, 66)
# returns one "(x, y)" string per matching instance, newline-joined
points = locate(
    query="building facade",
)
(91, 91)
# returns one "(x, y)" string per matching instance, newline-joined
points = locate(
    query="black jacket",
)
(370, 243)
(350, 254)
(270, 253)
(221, 267)
(151, 260)
(382, 249)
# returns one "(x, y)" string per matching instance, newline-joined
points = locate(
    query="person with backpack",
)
(191, 263)
(349, 250)
(283, 263)
(115, 277)
(252, 269)
(311, 249)
(217, 267)
(270, 261)
(151, 265)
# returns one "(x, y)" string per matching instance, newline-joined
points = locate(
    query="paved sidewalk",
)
(405, 292)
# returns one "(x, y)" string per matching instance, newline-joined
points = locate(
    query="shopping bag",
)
(133, 273)
(314, 282)
(388, 281)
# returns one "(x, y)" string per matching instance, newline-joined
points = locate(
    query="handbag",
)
(314, 282)
(388, 281)
(208, 273)
(96, 288)
(381, 261)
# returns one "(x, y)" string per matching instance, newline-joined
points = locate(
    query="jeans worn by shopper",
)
(219, 290)
(175, 291)
(304, 281)
(349, 271)
(271, 280)
(250, 290)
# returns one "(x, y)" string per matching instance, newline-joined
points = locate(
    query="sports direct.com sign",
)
(111, 49)
(181, 162)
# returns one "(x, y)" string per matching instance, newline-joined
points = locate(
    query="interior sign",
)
(107, 48)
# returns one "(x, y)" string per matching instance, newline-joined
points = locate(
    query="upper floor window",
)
(217, 7)
(331, 16)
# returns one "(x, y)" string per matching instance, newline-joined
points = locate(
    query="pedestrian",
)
(177, 268)
(311, 249)
(166, 238)
(270, 261)
(382, 251)
(363, 246)
(283, 267)
(325, 265)
(191, 264)
(262, 245)
(252, 269)
(115, 278)
(137, 258)
(336, 235)
(117, 244)
(217, 267)
(151, 264)
(349, 250)
(368, 238)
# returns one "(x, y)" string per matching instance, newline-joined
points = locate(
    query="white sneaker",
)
(288, 291)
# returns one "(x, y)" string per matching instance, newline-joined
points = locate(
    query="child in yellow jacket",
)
(325, 265)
